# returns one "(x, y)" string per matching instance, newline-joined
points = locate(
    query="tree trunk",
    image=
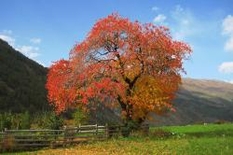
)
(129, 123)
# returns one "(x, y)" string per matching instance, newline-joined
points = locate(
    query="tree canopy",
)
(123, 64)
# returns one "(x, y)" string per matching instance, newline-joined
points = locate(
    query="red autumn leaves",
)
(122, 64)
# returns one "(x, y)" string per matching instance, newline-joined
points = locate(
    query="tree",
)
(122, 64)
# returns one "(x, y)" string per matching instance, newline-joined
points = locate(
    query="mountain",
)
(200, 101)
(21, 82)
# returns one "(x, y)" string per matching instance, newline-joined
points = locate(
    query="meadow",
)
(208, 139)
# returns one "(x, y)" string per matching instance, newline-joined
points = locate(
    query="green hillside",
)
(21, 82)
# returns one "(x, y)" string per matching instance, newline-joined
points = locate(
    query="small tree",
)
(25, 120)
(122, 64)
(80, 116)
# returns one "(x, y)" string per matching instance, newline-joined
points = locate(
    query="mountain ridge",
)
(21, 82)
(200, 101)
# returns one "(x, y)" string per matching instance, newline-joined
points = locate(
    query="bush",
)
(125, 131)
(25, 120)
(160, 133)
(221, 122)
(6, 121)
(14, 121)
(80, 117)
(48, 120)
(8, 143)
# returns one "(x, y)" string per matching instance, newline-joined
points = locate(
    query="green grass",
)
(208, 139)
(208, 130)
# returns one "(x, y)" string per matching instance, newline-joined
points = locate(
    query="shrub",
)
(8, 143)
(221, 122)
(14, 121)
(25, 120)
(80, 117)
(48, 120)
(160, 133)
(6, 121)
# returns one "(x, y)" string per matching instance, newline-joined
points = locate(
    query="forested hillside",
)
(21, 82)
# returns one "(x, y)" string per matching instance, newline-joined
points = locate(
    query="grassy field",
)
(210, 139)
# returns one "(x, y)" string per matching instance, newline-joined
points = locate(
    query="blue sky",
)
(46, 30)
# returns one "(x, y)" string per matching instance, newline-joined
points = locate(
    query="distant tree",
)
(123, 64)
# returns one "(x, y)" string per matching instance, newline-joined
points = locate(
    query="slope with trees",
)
(22, 82)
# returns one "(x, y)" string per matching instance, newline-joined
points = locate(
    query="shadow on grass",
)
(217, 133)
(165, 134)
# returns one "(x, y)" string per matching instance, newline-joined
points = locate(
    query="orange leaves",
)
(133, 64)
(149, 96)
(60, 94)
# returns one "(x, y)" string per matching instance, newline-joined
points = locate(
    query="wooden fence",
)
(30, 139)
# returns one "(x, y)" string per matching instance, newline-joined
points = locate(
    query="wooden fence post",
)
(106, 131)
(145, 129)
(96, 130)
(65, 135)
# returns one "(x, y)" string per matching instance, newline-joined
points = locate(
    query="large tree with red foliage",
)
(123, 64)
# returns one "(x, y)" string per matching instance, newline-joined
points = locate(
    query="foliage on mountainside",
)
(21, 82)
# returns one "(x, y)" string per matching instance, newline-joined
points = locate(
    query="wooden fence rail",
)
(20, 139)
(30, 139)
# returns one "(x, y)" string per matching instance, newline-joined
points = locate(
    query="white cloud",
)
(228, 30)
(155, 8)
(178, 12)
(29, 51)
(7, 32)
(229, 81)
(185, 23)
(35, 40)
(228, 25)
(160, 18)
(8, 39)
(182, 22)
(229, 44)
(179, 9)
(226, 67)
